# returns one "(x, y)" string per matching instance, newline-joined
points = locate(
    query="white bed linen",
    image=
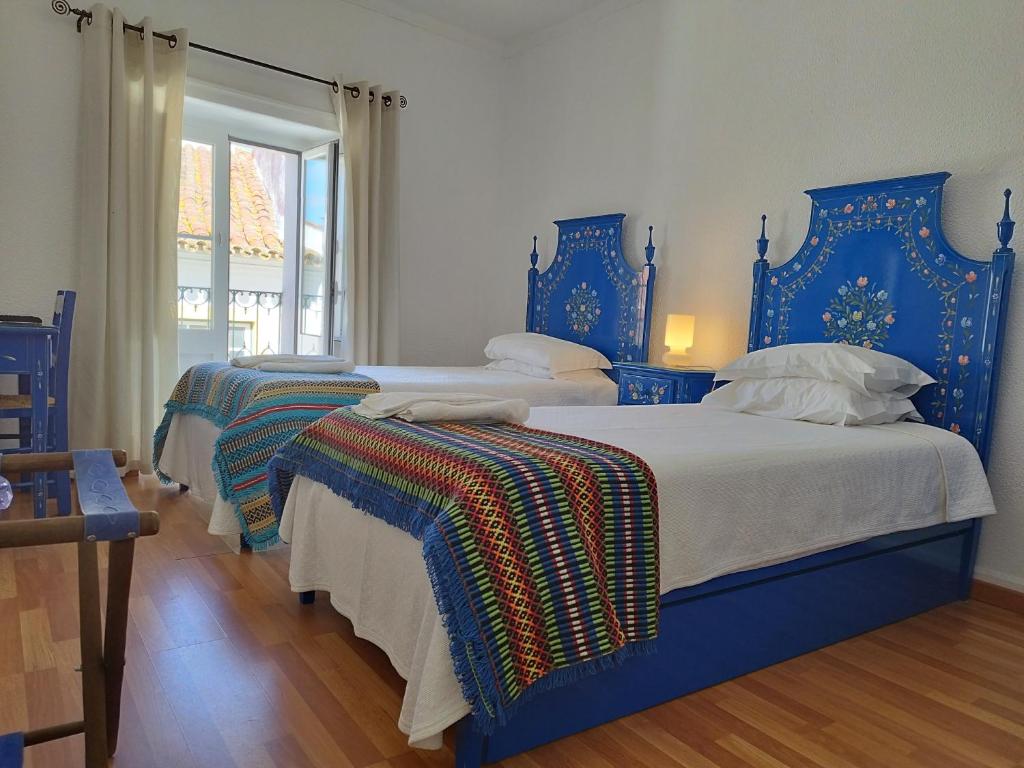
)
(188, 450)
(736, 491)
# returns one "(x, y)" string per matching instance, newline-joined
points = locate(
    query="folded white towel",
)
(442, 406)
(295, 363)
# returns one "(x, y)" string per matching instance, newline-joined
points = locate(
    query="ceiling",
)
(503, 21)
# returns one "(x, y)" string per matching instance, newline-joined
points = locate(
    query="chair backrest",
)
(63, 320)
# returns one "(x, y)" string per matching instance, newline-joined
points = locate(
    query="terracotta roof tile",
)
(254, 228)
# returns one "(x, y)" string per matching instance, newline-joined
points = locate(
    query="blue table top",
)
(26, 329)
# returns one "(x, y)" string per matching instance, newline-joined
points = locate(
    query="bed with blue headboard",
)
(875, 270)
(590, 294)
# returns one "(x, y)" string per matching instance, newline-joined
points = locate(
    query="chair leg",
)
(93, 675)
(59, 441)
(119, 581)
(63, 482)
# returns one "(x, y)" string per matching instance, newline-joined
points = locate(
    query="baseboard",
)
(993, 594)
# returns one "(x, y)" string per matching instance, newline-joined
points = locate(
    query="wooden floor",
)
(226, 669)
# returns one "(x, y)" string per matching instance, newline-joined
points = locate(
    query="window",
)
(195, 235)
(251, 279)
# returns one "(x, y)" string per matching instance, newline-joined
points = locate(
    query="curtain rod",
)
(62, 8)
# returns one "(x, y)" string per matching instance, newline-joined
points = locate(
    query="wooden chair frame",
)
(102, 649)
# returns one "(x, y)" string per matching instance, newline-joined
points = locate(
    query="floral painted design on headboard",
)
(860, 313)
(876, 270)
(583, 309)
(590, 293)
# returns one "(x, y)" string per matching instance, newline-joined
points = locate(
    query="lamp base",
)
(676, 359)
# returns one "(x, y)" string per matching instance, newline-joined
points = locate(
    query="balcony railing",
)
(254, 317)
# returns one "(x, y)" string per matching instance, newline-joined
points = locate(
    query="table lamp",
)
(678, 339)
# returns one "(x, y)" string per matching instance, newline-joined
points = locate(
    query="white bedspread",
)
(188, 450)
(736, 492)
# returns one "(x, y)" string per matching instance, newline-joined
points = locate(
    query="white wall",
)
(697, 116)
(449, 134)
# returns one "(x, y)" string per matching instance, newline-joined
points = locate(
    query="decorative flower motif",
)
(964, 359)
(940, 259)
(954, 428)
(890, 203)
(771, 313)
(921, 202)
(796, 267)
(814, 240)
(848, 208)
(767, 339)
(966, 322)
(970, 277)
(775, 280)
(583, 309)
(652, 397)
(924, 231)
(859, 314)
(958, 393)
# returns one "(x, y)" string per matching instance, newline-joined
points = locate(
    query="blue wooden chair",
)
(20, 406)
(107, 516)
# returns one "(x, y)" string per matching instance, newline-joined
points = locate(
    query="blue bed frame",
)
(875, 249)
(590, 294)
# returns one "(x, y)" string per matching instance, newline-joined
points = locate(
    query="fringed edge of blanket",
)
(464, 642)
(173, 407)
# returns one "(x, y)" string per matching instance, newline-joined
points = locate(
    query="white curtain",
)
(125, 358)
(369, 310)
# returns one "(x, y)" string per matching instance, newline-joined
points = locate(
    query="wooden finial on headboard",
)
(650, 245)
(1004, 228)
(533, 254)
(762, 241)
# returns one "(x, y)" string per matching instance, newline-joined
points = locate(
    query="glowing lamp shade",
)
(678, 339)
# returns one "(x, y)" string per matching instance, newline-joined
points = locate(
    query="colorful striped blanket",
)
(542, 548)
(258, 412)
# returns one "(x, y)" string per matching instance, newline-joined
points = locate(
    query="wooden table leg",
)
(94, 707)
(119, 581)
(40, 405)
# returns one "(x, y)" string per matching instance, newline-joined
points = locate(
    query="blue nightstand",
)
(649, 384)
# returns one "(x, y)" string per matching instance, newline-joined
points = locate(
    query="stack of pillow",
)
(544, 357)
(823, 383)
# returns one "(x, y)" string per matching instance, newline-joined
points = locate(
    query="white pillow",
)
(557, 355)
(822, 402)
(865, 370)
(516, 366)
(584, 374)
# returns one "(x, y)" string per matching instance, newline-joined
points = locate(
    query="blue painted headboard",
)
(876, 270)
(589, 294)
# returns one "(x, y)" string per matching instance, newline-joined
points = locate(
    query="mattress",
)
(736, 492)
(188, 450)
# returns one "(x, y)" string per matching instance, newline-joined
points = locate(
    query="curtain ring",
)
(403, 102)
(334, 86)
(172, 42)
(372, 96)
(387, 100)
